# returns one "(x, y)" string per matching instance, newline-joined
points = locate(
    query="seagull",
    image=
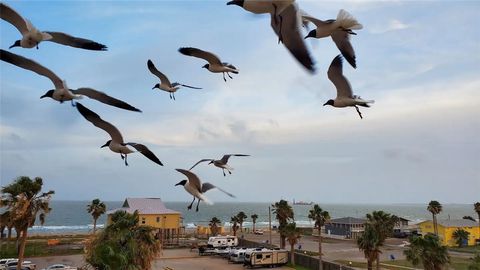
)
(165, 84)
(61, 92)
(340, 31)
(345, 96)
(286, 22)
(31, 36)
(214, 63)
(116, 144)
(195, 187)
(221, 163)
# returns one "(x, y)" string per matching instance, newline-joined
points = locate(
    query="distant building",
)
(402, 229)
(447, 227)
(152, 212)
(349, 227)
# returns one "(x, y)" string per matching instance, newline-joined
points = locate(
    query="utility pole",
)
(270, 225)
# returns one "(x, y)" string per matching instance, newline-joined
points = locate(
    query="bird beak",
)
(231, 3)
(44, 96)
(105, 145)
(326, 103)
(16, 44)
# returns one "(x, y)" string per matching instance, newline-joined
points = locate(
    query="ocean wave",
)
(58, 228)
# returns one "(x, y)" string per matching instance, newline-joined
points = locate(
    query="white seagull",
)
(116, 144)
(61, 92)
(340, 31)
(345, 97)
(31, 36)
(214, 64)
(221, 163)
(165, 84)
(286, 22)
(195, 187)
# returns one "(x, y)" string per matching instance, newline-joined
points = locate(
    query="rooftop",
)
(455, 223)
(144, 206)
(348, 220)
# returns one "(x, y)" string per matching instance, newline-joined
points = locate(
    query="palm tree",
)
(476, 207)
(469, 218)
(292, 233)
(368, 243)
(254, 220)
(234, 221)
(460, 236)
(283, 213)
(6, 221)
(435, 208)
(241, 217)
(24, 201)
(123, 245)
(383, 224)
(214, 222)
(428, 251)
(320, 217)
(96, 209)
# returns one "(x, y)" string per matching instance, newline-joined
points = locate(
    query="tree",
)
(435, 208)
(368, 242)
(96, 209)
(320, 217)
(254, 220)
(234, 221)
(241, 217)
(25, 202)
(283, 213)
(123, 245)
(6, 221)
(428, 251)
(383, 223)
(292, 234)
(460, 236)
(469, 218)
(214, 222)
(476, 207)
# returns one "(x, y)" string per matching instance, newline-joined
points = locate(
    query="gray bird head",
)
(16, 44)
(236, 2)
(48, 94)
(181, 183)
(106, 144)
(329, 102)
(156, 86)
(206, 66)
(312, 33)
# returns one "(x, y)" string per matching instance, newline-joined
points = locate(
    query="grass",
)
(297, 267)
(456, 263)
(37, 246)
(469, 249)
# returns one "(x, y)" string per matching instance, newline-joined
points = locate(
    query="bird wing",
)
(104, 98)
(203, 160)
(210, 57)
(76, 42)
(292, 36)
(146, 152)
(31, 65)
(318, 23)
(10, 15)
(207, 186)
(192, 178)
(156, 72)
(184, 85)
(336, 76)
(226, 157)
(100, 123)
(342, 40)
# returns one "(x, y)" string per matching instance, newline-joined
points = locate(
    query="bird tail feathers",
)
(205, 199)
(347, 21)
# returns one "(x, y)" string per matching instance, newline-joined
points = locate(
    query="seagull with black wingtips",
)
(214, 64)
(116, 144)
(61, 92)
(221, 163)
(345, 97)
(31, 36)
(165, 84)
(195, 187)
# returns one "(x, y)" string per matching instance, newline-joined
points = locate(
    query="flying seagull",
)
(214, 64)
(61, 92)
(286, 21)
(221, 163)
(31, 36)
(116, 144)
(345, 96)
(340, 31)
(195, 187)
(165, 84)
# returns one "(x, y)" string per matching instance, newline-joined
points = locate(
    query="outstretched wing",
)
(207, 186)
(99, 122)
(10, 15)
(66, 39)
(203, 160)
(226, 157)
(210, 57)
(335, 74)
(342, 40)
(104, 98)
(184, 85)
(146, 152)
(156, 72)
(192, 178)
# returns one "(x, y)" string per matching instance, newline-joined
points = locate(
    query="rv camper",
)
(238, 255)
(222, 241)
(266, 257)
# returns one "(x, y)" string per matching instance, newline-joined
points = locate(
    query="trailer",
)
(237, 255)
(222, 241)
(266, 258)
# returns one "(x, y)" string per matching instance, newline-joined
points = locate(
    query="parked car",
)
(259, 232)
(27, 265)
(3, 262)
(59, 266)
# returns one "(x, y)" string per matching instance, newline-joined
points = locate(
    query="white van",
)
(266, 257)
(222, 241)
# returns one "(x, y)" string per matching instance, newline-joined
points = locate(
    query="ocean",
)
(71, 216)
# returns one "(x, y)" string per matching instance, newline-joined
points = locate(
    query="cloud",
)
(392, 25)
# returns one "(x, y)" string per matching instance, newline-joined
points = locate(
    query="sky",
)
(419, 61)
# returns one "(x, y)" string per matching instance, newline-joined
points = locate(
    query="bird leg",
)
(224, 76)
(126, 163)
(229, 75)
(170, 95)
(190, 206)
(223, 170)
(196, 210)
(229, 172)
(173, 95)
(359, 113)
(73, 104)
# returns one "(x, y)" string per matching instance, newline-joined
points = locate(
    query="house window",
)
(143, 220)
(158, 219)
